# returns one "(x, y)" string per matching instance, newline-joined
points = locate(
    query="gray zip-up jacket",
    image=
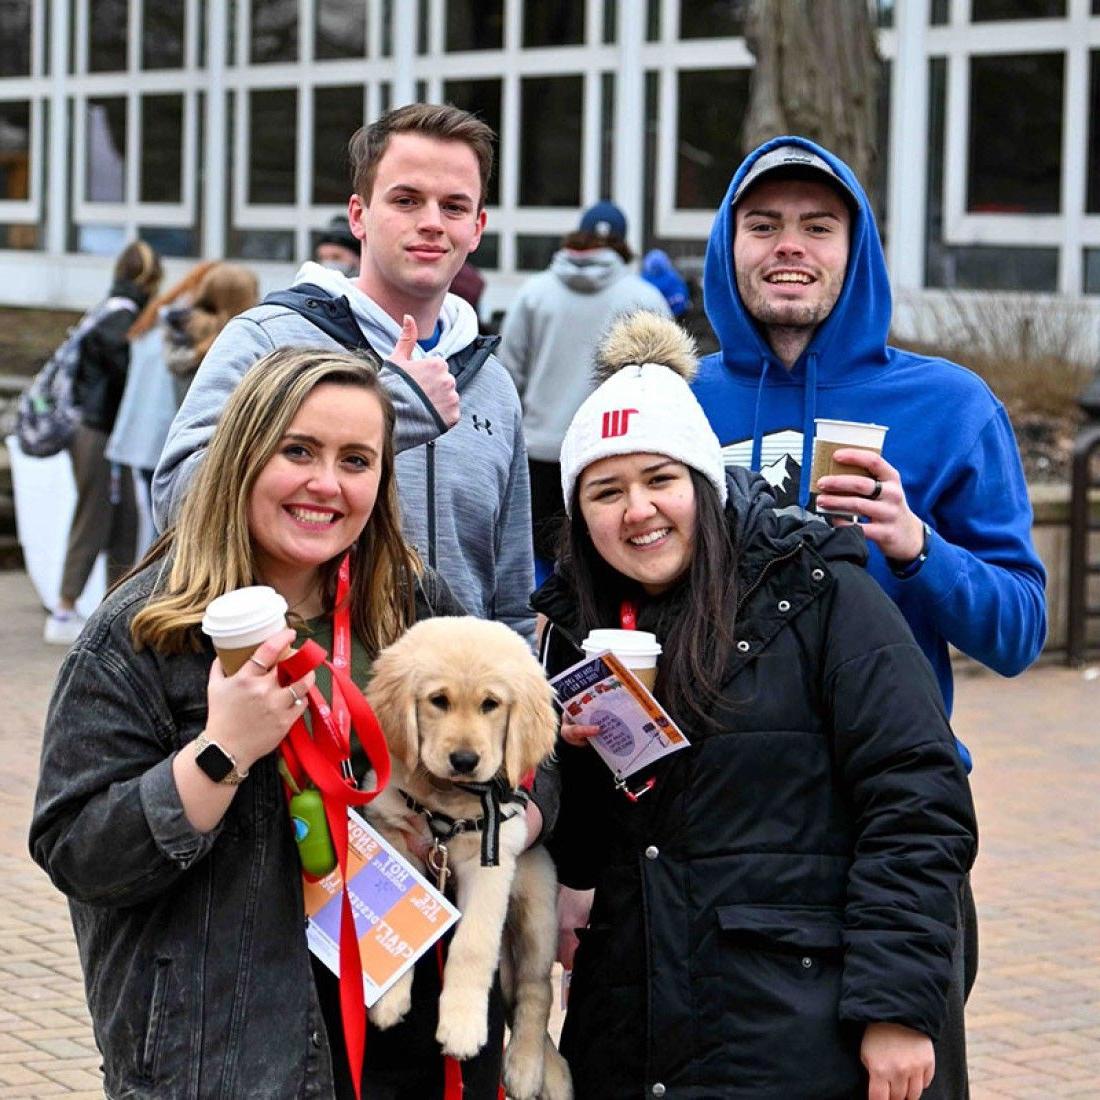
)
(464, 492)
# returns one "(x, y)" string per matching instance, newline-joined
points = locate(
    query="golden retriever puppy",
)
(467, 711)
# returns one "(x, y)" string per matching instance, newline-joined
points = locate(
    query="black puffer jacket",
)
(105, 361)
(793, 875)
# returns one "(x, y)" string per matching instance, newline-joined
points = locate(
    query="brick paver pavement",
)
(1034, 1017)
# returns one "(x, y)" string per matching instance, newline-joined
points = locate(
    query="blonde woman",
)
(185, 891)
(106, 513)
(225, 290)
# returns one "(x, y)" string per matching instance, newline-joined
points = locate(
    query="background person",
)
(797, 292)
(420, 176)
(224, 291)
(186, 891)
(338, 248)
(548, 339)
(149, 400)
(105, 517)
(775, 916)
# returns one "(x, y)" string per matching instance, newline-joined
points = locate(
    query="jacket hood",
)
(590, 270)
(853, 336)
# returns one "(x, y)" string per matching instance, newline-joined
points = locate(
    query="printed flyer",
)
(398, 913)
(635, 729)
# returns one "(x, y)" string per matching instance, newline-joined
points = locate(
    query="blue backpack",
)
(48, 413)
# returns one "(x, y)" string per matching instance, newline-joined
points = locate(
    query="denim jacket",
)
(193, 945)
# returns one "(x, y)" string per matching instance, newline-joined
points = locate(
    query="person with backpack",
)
(106, 512)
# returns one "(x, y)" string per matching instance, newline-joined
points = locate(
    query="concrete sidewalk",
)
(1034, 1017)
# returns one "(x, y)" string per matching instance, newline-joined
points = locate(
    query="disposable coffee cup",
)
(831, 436)
(240, 621)
(637, 649)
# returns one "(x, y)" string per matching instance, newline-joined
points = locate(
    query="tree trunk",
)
(817, 74)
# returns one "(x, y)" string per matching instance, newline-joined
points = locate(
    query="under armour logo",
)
(483, 425)
(616, 422)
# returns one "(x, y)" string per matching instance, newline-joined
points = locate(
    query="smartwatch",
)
(219, 765)
(903, 570)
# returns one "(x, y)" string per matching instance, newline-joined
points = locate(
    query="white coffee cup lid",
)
(637, 645)
(246, 616)
(850, 431)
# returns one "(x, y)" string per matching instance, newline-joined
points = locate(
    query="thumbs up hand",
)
(431, 373)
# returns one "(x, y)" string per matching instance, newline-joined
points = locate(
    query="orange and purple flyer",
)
(398, 913)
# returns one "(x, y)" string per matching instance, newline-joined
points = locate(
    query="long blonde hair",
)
(201, 566)
(225, 291)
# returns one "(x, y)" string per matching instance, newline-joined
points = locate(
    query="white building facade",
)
(216, 128)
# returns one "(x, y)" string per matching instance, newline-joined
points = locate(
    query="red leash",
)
(322, 761)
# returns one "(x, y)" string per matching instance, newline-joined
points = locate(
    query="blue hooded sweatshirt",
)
(981, 587)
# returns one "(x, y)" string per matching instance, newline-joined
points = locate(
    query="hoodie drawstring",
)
(757, 439)
(809, 412)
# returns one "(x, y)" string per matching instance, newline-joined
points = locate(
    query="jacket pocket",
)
(154, 1023)
(784, 928)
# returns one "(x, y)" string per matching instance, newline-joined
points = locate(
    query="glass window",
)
(100, 240)
(421, 32)
(884, 13)
(161, 148)
(340, 29)
(982, 11)
(107, 21)
(997, 267)
(15, 150)
(162, 31)
(1092, 198)
(533, 253)
(337, 114)
(1092, 271)
(707, 146)
(610, 22)
(272, 145)
(712, 18)
(387, 28)
(487, 256)
(474, 25)
(557, 24)
(1015, 105)
(105, 150)
(15, 37)
(260, 244)
(940, 12)
(22, 237)
(550, 156)
(169, 240)
(481, 98)
(607, 135)
(652, 20)
(274, 30)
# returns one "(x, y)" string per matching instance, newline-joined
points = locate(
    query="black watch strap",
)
(903, 570)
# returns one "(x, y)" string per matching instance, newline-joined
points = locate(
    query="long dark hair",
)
(698, 641)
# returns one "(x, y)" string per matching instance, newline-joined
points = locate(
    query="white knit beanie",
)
(644, 405)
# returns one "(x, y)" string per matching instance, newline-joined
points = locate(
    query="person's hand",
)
(573, 909)
(900, 1062)
(573, 733)
(249, 713)
(897, 532)
(430, 373)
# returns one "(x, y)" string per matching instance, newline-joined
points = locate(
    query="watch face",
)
(215, 762)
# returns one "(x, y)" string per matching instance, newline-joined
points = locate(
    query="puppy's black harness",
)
(443, 827)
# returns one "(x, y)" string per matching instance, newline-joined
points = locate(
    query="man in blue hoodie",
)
(797, 291)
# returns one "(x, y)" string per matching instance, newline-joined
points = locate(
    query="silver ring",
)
(298, 699)
(876, 492)
(260, 664)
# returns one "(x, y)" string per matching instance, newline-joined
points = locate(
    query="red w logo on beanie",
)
(616, 422)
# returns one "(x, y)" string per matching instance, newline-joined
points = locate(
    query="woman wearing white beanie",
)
(775, 906)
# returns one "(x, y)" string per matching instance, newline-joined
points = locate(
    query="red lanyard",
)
(628, 615)
(325, 761)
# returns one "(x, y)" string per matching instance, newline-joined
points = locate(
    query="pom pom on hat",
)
(643, 405)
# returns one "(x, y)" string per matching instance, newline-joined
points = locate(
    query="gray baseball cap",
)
(795, 162)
